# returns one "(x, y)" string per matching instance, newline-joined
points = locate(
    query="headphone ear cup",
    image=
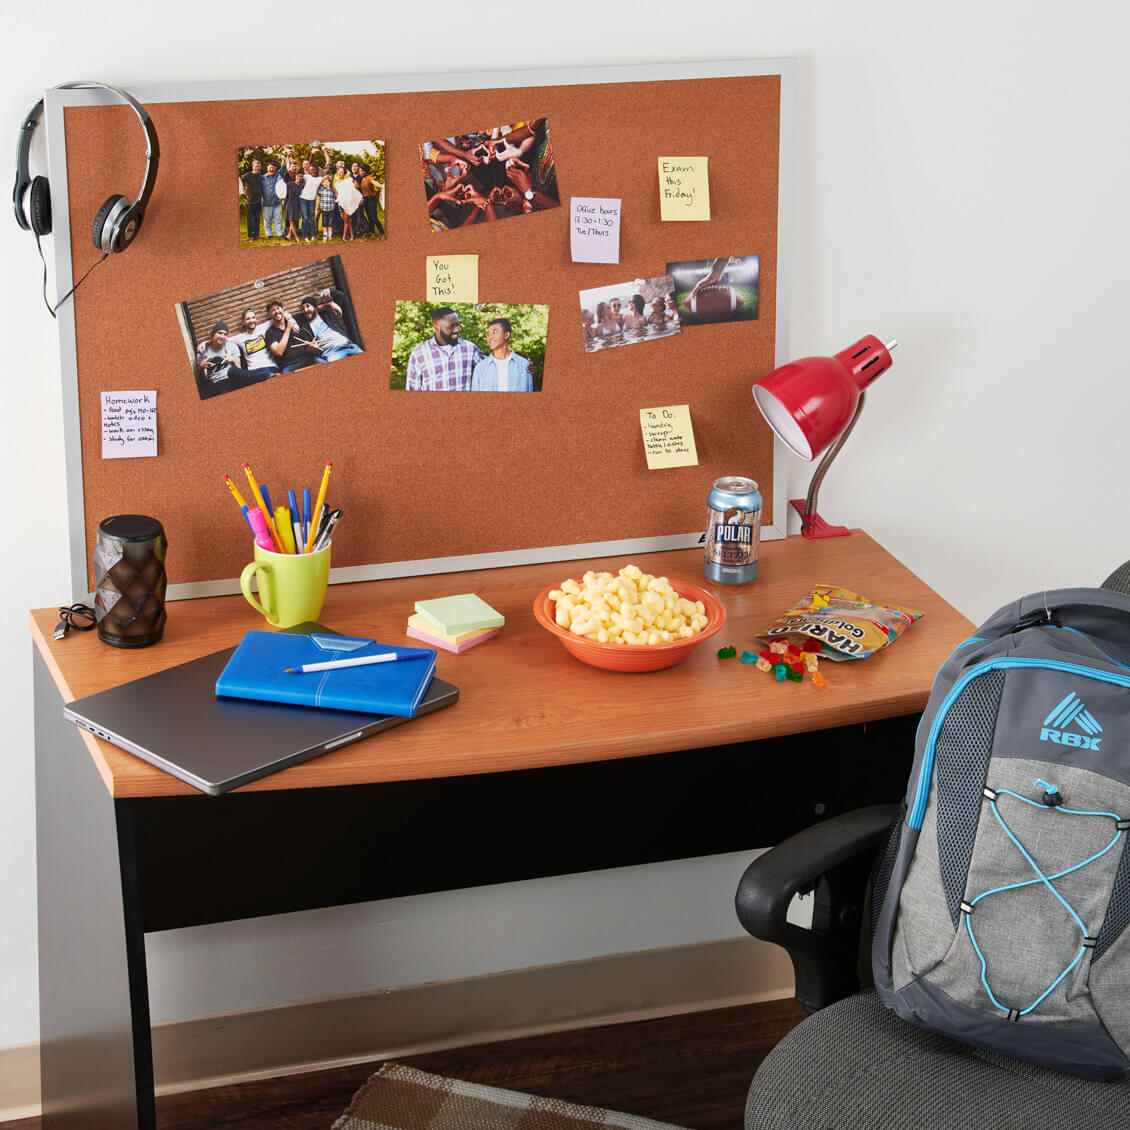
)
(114, 205)
(39, 205)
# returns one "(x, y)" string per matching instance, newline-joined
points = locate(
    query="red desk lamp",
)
(816, 401)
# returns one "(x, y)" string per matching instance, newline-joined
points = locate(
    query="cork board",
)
(429, 476)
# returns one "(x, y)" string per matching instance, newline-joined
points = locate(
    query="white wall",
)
(960, 184)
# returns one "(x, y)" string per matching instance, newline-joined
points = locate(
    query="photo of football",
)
(717, 302)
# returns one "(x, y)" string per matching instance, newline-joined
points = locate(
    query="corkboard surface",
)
(424, 474)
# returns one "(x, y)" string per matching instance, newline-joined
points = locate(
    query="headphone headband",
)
(23, 148)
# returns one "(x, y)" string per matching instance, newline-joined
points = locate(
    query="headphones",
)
(117, 222)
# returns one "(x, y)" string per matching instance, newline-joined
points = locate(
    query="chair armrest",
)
(835, 859)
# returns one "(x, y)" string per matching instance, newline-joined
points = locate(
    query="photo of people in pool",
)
(628, 313)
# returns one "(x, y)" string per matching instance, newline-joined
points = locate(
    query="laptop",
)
(174, 720)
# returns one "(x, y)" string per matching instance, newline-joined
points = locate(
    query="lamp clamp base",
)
(813, 526)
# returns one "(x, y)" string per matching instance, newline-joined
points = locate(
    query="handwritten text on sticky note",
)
(684, 190)
(453, 278)
(594, 229)
(129, 424)
(668, 438)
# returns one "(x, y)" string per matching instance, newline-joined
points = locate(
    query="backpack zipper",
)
(922, 791)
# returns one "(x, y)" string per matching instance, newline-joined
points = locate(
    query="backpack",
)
(1001, 906)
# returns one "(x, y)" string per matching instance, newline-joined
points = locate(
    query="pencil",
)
(243, 507)
(318, 505)
(262, 504)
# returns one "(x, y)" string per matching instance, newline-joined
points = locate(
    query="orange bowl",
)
(628, 657)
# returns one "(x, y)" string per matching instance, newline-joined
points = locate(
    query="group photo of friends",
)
(489, 174)
(292, 320)
(311, 192)
(723, 289)
(629, 313)
(465, 347)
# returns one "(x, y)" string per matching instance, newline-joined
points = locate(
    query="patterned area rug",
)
(402, 1098)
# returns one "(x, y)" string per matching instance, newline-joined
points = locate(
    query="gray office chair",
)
(853, 1064)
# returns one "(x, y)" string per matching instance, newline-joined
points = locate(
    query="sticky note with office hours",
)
(129, 425)
(594, 229)
(668, 438)
(684, 189)
(453, 278)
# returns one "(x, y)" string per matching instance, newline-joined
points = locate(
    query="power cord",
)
(51, 309)
(81, 617)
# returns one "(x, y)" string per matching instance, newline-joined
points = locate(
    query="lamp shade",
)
(809, 402)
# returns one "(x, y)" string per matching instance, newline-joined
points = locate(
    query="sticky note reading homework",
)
(668, 438)
(684, 190)
(129, 425)
(594, 229)
(453, 278)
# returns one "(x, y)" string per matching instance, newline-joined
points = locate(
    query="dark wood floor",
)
(691, 1070)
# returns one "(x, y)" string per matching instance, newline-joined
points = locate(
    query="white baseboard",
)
(309, 1035)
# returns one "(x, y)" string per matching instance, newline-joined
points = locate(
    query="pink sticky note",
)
(594, 229)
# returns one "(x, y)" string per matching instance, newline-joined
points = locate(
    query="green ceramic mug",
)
(292, 586)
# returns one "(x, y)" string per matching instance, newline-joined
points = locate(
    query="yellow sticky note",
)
(668, 438)
(453, 278)
(684, 190)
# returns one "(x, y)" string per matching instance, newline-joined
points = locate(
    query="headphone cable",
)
(50, 310)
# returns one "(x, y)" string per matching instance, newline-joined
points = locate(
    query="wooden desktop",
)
(545, 766)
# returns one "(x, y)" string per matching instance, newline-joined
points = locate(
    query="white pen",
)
(357, 661)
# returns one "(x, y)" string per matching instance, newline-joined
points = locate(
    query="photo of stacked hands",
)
(489, 174)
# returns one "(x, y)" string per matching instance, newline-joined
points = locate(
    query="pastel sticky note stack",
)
(455, 623)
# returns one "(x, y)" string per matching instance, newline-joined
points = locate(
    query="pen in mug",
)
(323, 518)
(305, 514)
(321, 501)
(270, 507)
(296, 523)
(323, 538)
(357, 661)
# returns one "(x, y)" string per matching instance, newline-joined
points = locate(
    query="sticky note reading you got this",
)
(594, 229)
(684, 190)
(129, 424)
(453, 278)
(668, 439)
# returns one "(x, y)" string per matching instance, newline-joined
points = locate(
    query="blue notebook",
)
(257, 671)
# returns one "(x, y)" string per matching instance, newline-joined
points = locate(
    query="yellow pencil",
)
(318, 507)
(263, 506)
(282, 523)
(234, 490)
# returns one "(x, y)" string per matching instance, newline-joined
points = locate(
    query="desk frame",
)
(111, 870)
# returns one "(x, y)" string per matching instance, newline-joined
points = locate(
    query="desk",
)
(545, 765)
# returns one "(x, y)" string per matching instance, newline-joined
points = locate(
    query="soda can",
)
(733, 530)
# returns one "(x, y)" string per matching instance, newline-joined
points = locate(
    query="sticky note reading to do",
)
(668, 439)
(684, 190)
(129, 425)
(453, 278)
(594, 229)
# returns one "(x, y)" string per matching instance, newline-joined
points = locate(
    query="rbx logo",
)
(1071, 712)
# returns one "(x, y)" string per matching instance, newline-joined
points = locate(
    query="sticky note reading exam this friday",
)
(684, 191)
(594, 229)
(668, 439)
(129, 424)
(453, 278)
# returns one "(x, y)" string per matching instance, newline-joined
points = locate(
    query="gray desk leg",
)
(95, 1052)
